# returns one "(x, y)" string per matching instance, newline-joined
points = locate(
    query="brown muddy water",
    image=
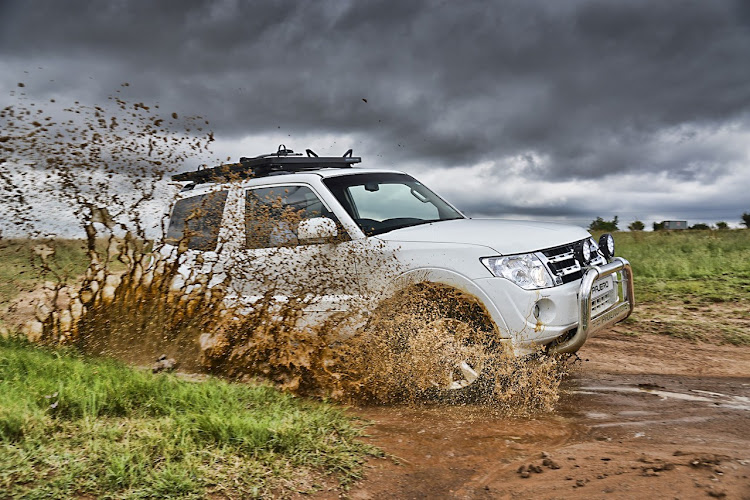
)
(544, 428)
(611, 436)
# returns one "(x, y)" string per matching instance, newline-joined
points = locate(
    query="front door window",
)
(273, 214)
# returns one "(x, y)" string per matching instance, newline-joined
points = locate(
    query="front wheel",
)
(457, 360)
(430, 341)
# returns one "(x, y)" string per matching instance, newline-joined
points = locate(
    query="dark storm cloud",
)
(590, 87)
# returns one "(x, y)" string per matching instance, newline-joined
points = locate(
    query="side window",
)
(198, 220)
(273, 214)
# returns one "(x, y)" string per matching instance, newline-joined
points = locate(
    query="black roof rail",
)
(282, 161)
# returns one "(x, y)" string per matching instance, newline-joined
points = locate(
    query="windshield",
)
(382, 202)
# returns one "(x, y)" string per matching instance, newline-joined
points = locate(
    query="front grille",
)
(563, 264)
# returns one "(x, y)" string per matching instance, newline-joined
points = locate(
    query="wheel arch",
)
(450, 279)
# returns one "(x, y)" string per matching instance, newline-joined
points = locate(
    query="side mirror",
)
(316, 230)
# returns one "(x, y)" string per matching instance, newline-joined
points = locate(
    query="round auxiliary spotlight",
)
(583, 252)
(607, 245)
(586, 251)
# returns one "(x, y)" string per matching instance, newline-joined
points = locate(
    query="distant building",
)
(675, 224)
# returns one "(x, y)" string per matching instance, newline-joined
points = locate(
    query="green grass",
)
(693, 266)
(686, 254)
(693, 270)
(72, 426)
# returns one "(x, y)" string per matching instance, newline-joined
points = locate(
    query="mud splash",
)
(138, 300)
(415, 343)
(410, 348)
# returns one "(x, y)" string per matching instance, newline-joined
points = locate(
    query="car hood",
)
(503, 236)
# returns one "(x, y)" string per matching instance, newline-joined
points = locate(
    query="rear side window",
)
(198, 220)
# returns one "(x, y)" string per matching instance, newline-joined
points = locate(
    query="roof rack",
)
(282, 161)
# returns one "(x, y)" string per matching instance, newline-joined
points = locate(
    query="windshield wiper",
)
(408, 224)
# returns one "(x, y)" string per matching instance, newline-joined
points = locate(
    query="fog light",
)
(544, 311)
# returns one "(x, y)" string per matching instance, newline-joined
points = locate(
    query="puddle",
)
(640, 423)
(595, 415)
(461, 434)
(715, 398)
(636, 413)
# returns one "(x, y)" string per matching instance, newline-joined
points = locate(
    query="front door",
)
(319, 275)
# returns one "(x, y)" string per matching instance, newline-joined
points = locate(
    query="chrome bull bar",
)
(618, 312)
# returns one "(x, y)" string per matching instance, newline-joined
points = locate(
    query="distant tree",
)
(636, 226)
(700, 226)
(746, 219)
(600, 224)
(721, 225)
(658, 226)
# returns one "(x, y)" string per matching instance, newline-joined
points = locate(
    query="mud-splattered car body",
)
(379, 230)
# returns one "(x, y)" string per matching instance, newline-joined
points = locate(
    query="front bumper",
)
(587, 324)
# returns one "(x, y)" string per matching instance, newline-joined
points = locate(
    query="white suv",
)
(288, 216)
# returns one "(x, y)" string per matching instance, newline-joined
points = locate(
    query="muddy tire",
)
(461, 372)
(438, 339)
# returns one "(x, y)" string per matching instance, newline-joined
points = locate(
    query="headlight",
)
(526, 270)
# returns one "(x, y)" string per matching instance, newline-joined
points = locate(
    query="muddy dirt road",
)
(644, 416)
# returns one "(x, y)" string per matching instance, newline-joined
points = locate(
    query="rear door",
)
(196, 232)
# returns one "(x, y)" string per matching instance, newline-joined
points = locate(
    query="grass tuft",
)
(696, 283)
(736, 336)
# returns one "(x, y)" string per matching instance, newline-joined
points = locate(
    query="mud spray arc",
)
(108, 164)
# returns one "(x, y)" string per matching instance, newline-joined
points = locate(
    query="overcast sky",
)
(553, 110)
